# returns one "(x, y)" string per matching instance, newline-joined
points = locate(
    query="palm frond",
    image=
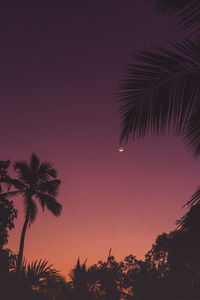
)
(11, 194)
(18, 184)
(51, 187)
(41, 276)
(188, 13)
(36, 273)
(34, 164)
(161, 92)
(169, 5)
(30, 209)
(39, 270)
(50, 202)
(190, 17)
(190, 222)
(195, 199)
(46, 170)
(192, 136)
(23, 171)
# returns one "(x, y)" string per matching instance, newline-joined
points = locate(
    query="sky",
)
(61, 63)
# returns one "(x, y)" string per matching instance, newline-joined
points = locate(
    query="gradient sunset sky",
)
(61, 62)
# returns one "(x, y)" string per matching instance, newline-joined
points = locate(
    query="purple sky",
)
(60, 67)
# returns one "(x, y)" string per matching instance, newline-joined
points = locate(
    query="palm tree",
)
(35, 181)
(35, 273)
(38, 275)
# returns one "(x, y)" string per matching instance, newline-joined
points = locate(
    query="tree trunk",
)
(21, 247)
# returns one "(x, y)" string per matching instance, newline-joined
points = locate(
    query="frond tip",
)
(169, 5)
(187, 13)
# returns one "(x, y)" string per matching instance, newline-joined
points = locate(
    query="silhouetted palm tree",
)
(36, 181)
(36, 274)
(80, 281)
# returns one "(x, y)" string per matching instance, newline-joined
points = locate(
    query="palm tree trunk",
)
(21, 247)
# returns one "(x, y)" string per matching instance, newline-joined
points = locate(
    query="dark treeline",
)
(170, 270)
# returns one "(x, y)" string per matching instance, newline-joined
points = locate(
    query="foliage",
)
(7, 211)
(157, 86)
(170, 270)
(38, 276)
(187, 13)
(7, 216)
(169, 5)
(161, 92)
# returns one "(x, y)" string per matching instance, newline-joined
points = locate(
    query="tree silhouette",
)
(7, 216)
(35, 181)
(79, 276)
(176, 256)
(38, 275)
(7, 211)
(107, 279)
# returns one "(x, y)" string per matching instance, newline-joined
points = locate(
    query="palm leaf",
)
(192, 136)
(50, 202)
(195, 199)
(46, 170)
(18, 184)
(169, 5)
(161, 93)
(39, 270)
(190, 222)
(23, 171)
(11, 194)
(36, 273)
(51, 187)
(190, 17)
(188, 13)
